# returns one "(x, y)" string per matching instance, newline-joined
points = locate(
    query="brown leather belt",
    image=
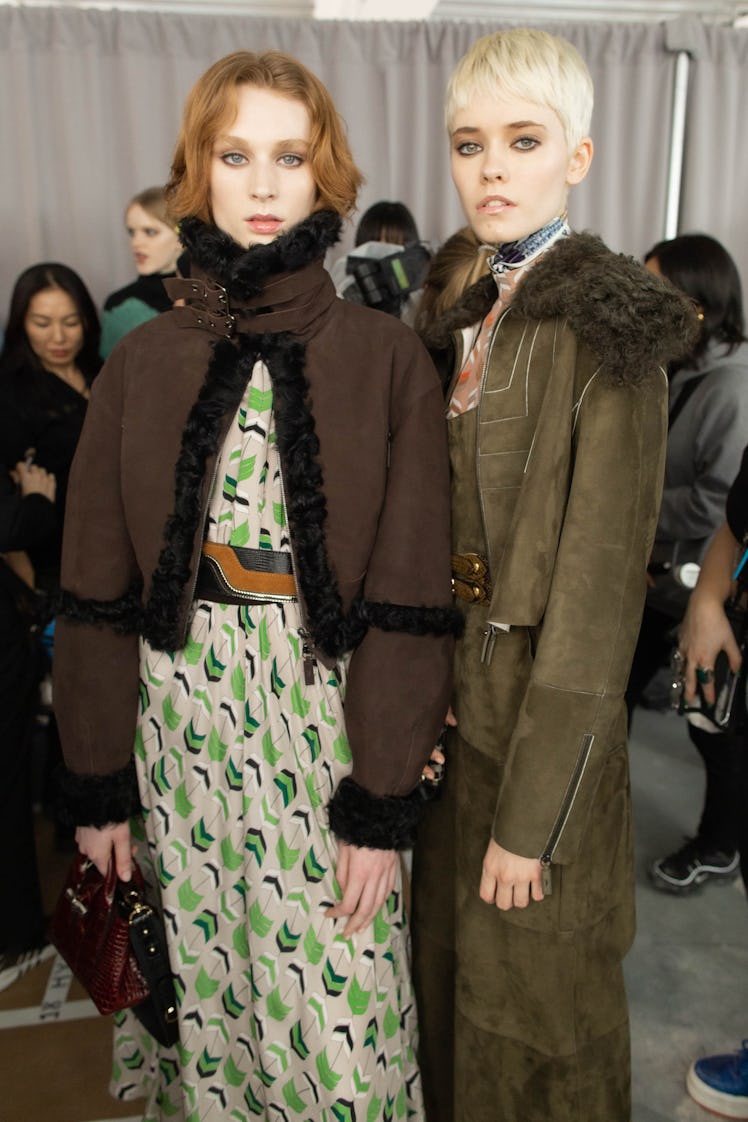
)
(471, 580)
(234, 575)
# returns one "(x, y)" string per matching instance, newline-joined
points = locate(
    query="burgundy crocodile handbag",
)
(91, 931)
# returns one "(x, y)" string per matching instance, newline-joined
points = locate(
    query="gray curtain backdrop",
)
(90, 103)
(715, 181)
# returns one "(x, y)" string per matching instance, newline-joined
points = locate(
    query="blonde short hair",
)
(532, 65)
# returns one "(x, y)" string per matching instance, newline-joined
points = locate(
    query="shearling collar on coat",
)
(290, 319)
(244, 273)
(633, 321)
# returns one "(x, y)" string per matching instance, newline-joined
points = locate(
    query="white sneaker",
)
(14, 966)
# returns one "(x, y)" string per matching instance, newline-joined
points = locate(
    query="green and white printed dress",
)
(280, 1017)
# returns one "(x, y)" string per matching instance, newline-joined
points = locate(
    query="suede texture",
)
(556, 479)
(362, 440)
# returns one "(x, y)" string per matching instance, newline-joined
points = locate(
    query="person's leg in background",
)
(22, 920)
(713, 853)
(653, 649)
(720, 1083)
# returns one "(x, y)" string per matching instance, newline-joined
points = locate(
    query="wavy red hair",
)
(212, 105)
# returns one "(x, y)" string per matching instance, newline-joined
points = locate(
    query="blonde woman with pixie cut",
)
(255, 654)
(523, 883)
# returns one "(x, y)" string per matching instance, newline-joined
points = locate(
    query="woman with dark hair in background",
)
(707, 431)
(387, 222)
(48, 362)
(47, 365)
(385, 229)
(155, 247)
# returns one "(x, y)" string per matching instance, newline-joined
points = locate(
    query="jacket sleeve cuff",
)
(98, 800)
(375, 821)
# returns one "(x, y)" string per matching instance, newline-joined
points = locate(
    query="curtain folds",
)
(90, 104)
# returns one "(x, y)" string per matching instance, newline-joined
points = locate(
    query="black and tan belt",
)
(235, 575)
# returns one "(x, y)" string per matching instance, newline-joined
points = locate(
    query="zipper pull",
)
(489, 640)
(546, 881)
(307, 655)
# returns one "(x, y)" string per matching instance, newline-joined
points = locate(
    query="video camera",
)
(386, 282)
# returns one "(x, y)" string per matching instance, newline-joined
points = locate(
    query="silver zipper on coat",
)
(565, 809)
(489, 641)
(307, 650)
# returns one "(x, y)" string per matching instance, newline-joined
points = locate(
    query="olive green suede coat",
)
(556, 479)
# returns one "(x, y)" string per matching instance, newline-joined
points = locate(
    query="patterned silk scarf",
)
(508, 265)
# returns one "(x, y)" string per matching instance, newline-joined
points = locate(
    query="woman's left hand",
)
(508, 880)
(366, 877)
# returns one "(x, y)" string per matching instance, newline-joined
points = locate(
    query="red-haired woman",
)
(257, 530)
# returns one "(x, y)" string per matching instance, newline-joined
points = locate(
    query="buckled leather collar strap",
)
(289, 302)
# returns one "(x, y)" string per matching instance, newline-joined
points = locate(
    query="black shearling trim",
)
(298, 445)
(97, 800)
(227, 375)
(474, 304)
(632, 321)
(411, 620)
(123, 615)
(375, 821)
(243, 272)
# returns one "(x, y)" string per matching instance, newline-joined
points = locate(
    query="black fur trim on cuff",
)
(98, 800)
(374, 821)
(413, 621)
(124, 615)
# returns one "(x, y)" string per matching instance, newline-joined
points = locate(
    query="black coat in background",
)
(38, 410)
(25, 524)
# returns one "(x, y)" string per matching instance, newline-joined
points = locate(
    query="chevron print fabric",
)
(281, 1018)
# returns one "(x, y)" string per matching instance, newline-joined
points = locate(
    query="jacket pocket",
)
(601, 879)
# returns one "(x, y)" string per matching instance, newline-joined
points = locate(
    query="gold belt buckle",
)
(471, 580)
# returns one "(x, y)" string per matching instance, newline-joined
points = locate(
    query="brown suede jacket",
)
(559, 486)
(361, 434)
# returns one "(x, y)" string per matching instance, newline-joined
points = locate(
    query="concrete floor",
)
(687, 974)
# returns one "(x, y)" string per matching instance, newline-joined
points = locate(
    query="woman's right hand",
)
(99, 845)
(705, 632)
(35, 480)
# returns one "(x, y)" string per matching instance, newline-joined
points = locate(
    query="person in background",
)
(386, 228)
(155, 246)
(719, 1082)
(455, 267)
(389, 222)
(523, 893)
(257, 640)
(47, 366)
(49, 360)
(707, 431)
(27, 520)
